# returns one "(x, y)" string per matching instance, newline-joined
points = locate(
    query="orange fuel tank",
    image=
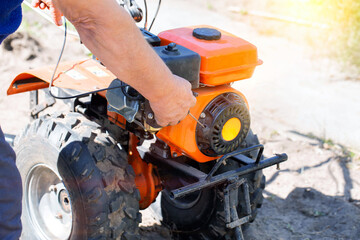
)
(225, 58)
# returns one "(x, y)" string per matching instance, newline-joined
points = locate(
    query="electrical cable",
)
(57, 65)
(157, 11)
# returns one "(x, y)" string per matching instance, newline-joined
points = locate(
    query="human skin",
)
(112, 36)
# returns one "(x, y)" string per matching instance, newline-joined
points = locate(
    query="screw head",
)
(150, 116)
(64, 201)
(53, 188)
(171, 47)
(202, 115)
(175, 154)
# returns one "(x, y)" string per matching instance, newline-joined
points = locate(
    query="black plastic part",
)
(161, 149)
(207, 34)
(152, 39)
(222, 108)
(181, 61)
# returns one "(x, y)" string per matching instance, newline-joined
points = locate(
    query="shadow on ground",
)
(306, 214)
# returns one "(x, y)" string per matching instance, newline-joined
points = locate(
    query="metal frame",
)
(233, 178)
(209, 180)
(231, 195)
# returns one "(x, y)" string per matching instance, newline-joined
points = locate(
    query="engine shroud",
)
(210, 133)
(225, 58)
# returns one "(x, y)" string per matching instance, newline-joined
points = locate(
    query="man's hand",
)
(55, 12)
(174, 105)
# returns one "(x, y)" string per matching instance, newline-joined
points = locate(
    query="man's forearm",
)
(108, 28)
(111, 34)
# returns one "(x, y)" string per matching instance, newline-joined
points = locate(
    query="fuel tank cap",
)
(207, 33)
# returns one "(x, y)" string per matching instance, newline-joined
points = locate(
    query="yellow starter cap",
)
(231, 129)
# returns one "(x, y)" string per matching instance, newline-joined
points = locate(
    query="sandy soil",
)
(316, 194)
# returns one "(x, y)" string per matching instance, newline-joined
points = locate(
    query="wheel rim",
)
(47, 203)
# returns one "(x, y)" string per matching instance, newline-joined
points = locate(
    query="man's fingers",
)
(160, 123)
(193, 103)
(56, 15)
(171, 122)
(35, 3)
(42, 5)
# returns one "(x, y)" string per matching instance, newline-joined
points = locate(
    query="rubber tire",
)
(99, 180)
(206, 218)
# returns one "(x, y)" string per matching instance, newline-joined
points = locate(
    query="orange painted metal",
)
(86, 75)
(222, 61)
(117, 119)
(26, 82)
(146, 178)
(181, 137)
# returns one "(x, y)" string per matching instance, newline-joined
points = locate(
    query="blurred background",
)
(304, 100)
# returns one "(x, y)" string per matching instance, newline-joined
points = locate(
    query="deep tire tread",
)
(109, 210)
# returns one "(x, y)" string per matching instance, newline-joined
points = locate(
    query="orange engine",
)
(222, 117)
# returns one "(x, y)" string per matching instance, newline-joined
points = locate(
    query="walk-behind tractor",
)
(86, 172)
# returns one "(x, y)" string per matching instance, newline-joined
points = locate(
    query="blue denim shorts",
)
(10, 193)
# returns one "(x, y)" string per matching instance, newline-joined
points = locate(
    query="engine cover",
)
(225, 58)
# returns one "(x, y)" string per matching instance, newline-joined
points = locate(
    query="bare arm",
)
(111, 34)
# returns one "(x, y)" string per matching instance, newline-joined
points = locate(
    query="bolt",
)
(53, 188)
(175, 154)
(171, 47)
(278, 166)
(202, 115)
(150, 116)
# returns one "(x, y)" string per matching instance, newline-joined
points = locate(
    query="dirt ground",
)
(300, 104)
